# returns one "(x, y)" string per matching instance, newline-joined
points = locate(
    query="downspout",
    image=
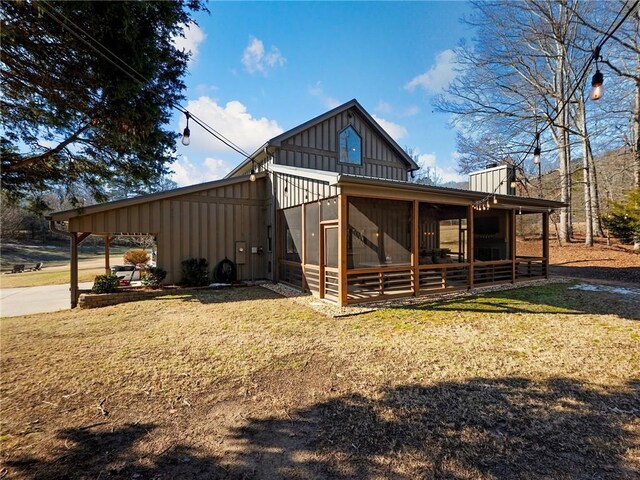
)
(74, 254)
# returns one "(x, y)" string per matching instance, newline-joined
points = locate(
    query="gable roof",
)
(277, 140)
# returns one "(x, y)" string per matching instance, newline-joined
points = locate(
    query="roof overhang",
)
(399, 189)
(64, 215)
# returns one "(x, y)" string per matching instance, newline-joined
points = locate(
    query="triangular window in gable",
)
(350, 145)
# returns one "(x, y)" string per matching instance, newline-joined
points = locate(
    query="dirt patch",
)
(614, 263)
(242, 383)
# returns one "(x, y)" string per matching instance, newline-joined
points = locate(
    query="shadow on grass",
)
(225, 295)
(630, 275)
(482, 428)
(557, 298)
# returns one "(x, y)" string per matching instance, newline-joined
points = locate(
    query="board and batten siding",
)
(291, 190)
(206, 224)
(317, 148)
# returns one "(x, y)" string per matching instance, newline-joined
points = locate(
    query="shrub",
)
(153, 277)
(136, 257)
(195, 272)
(105, 284)
(623, 220)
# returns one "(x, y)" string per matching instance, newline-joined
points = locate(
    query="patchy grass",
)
(56, 264)
(532, 382)
(48, 277)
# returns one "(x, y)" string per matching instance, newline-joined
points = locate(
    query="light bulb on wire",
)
(597, 90)
(186, 134)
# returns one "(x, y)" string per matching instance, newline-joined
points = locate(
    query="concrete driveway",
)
(26, 300)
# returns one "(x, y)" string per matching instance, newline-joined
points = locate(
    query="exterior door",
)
(329, 262)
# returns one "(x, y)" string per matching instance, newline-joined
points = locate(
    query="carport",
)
(213, 220)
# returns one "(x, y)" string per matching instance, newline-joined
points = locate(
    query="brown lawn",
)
(538, 382)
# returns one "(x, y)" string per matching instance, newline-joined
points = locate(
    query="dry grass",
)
(534, 382)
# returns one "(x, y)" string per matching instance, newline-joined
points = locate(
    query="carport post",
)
(74, 270)
(107, 266)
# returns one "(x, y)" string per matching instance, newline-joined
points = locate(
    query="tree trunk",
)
(581, 120)
(595, 195)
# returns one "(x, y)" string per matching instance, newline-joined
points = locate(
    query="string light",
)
(186, 134)
(597, 90)
(252, 175)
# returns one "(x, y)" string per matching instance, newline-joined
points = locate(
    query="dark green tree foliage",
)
(623, 219)
(70, 117)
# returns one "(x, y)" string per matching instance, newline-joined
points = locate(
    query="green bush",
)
(153, 277)
(136, 257)
(105, 284)
(195, 272)
(623, 219)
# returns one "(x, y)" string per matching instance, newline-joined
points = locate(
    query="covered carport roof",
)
(64, 215)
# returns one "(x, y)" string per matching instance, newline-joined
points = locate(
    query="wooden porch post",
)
(470, 246)
(512, 234)
(303, 253)
(545, 242)
(342, 250)
(415, 257)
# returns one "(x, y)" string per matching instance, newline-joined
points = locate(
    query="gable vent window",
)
(350, 146)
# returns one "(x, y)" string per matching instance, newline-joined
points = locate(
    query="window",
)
(350, 146)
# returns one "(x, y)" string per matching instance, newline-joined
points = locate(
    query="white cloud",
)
(411, 111)
(427, 160)
(256, 60)
(396, 131)
(190, 173)
(438, 77)
(231, 120)
(328, 101)
(384, 107)
(447, 173)
(193, 37)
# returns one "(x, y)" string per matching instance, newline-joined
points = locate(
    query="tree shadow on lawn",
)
(557, 298)
(482, 428)
(630, 275)
(227, 294)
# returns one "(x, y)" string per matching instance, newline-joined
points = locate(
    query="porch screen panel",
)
(529, 246)
(291, 234)
(312, 233)
(491, 235)
(529, 235)
(379, 233)
(329, 209)
(442, 234)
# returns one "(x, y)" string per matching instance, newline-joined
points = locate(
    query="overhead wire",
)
(141, 80)
(566, 101)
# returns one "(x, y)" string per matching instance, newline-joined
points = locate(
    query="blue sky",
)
(258, 69)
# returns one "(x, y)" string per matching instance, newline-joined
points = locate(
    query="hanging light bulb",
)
(186, 134)
(495, 200)
(252, 176)
(536, 156)
(597, 90)
(514, 184)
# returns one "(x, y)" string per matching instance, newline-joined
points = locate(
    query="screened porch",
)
(352, 249)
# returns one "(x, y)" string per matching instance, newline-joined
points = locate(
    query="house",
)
(328, 207)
